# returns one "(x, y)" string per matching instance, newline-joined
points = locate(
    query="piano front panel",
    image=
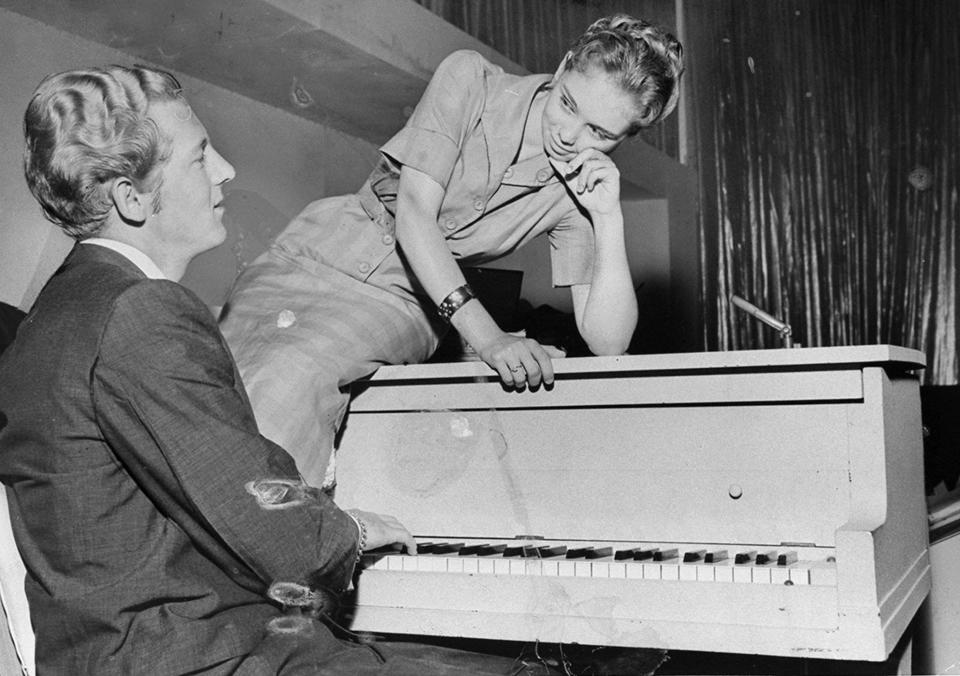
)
(737, 473)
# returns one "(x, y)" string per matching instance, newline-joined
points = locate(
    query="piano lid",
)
(762, 447)
(892, 356)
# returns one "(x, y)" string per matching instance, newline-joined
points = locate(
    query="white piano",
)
(760, 502)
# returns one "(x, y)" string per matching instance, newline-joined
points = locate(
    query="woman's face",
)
(585, 110)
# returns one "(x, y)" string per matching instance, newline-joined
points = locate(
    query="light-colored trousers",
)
(302, 327)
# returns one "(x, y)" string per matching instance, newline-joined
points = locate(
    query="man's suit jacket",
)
(132, 461)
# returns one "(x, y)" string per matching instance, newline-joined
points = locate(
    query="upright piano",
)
(760, 502)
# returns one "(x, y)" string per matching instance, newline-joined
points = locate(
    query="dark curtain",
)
(828, 156)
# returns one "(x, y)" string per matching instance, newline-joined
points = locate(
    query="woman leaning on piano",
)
(486, 162)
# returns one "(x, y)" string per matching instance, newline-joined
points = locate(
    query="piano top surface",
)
(799, 358)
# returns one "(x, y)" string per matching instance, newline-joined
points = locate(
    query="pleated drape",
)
(829, 166)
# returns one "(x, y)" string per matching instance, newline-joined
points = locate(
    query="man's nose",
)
(223, 171)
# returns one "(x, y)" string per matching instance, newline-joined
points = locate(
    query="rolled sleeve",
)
(447, 113)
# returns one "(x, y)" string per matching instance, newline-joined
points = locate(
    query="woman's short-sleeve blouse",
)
(465, 133)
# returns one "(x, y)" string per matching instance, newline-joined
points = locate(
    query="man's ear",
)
(132, 205)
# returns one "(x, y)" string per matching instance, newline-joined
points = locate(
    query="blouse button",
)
(450, 224)
(543, 175)
(508, 173)
(364, 267)
(387, 239)
(478, 204)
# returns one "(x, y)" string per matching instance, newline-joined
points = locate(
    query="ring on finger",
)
(517, 369)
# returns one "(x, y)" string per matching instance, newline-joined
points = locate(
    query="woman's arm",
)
(519, 361)
(605, 309)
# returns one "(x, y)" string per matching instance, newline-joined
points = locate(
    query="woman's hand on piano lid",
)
(384, 530)
(521, 361)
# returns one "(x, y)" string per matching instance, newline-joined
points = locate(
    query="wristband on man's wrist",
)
(362, 527)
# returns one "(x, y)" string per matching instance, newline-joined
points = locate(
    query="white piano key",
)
(582, 569)
(379, 563)
(395, 562)
(688, 572)
(634, 571)
(741, 573)
(824, 574)
(779, 574)
(800, 575)
(533, 567)
(485, 566)
(518, 567)
(550, 568)
(761, 574)
(454, 564)
(651, 571)
(600, 569)
(566, 569)
(670, 571)
(723, 573)
(705, 572)
(501, 566)
(471, 565)
(617, 570)
(440, 564)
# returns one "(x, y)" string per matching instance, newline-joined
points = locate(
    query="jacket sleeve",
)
(171, 404)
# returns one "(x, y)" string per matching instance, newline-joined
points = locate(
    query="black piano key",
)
(599, 552)
(550, 551)
(425, 547)
(491, 550)
(744, 557)
(765, 558)
(578, 553)
(622, 554)
(715, 557)
(694, 556)
(665, 554)
(644, 554)
(470, 550)
(447, 547)
(787, 558)
(513, 550)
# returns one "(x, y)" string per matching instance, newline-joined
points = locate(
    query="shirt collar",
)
(511, 99)
(131, 253)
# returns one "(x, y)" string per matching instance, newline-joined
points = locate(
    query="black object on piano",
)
(715, 557)
(548, 552)
(665, 554)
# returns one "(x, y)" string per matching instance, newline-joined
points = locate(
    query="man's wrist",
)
(361, 532)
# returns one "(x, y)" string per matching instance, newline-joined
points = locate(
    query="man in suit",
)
(161, 532)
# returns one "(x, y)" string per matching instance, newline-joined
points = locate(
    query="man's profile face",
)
(190, 196)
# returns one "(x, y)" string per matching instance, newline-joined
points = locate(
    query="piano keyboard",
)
(696, 563)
